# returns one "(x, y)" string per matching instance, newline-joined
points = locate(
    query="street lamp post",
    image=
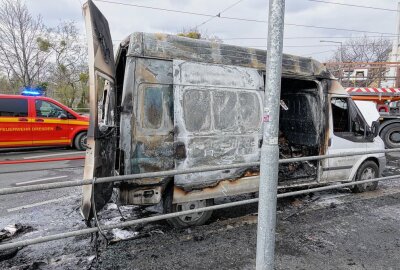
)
(270, 150)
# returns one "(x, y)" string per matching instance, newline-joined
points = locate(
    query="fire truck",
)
(387, 102)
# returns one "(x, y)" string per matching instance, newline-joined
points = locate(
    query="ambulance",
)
(30, 120)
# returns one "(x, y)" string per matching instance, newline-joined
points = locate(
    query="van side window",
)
(249, 111)
(157, 106)
(224, 109)
(153, 110)
(13, 107)
(197, 110)
(340, 114)
(47, 109)
(70, 116)
(347, 121)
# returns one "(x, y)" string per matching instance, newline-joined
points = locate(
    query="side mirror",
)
(375, 128)
(62, 116)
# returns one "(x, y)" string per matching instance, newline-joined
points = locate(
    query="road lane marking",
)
(38, 204)
(40, 180)
(58, 154)
(54, 159)
(42, 169)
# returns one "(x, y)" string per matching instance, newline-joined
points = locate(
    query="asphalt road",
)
(18, 175)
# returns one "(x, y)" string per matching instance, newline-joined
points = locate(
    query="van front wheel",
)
(80, 141)
(368, 170)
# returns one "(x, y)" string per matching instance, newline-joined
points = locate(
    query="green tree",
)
(67, 76)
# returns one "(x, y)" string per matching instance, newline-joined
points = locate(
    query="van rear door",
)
(100, 155)
(217, 118)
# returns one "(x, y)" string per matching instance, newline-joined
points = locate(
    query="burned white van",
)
(167, 102)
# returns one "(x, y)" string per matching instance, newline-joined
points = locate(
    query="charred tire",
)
(391, 136)
(80, 141)
(367, 170)
(196, 219)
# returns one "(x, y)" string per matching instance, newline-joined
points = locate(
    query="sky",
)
(124, 20)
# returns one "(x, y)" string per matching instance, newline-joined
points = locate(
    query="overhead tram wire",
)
(353, 5)
(304, 46)
(241, 19)
(316, 37)
(219, 14)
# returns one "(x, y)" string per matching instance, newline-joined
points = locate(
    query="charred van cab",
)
(167, 102)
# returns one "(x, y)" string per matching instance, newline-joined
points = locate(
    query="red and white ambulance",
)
(30, 121)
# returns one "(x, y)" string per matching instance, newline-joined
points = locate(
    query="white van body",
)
(176, 103)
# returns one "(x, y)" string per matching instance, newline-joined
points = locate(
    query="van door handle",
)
(23, 119)
(39, 120)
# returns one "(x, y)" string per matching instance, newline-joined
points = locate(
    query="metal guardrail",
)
(182, 213)
(177, 214)
(66, 184)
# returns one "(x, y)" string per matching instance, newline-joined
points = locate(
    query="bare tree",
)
(5, 86)
(70, 67)
(23, 48)
(363, 50)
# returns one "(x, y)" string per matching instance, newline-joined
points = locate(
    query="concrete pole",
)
(396, 48)
(394, 56)
(341, 63)
(270, 149)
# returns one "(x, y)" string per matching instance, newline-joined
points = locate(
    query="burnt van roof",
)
(164, 46)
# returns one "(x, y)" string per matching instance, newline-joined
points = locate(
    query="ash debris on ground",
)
(328, 230)
(13, 230)
(7, 234)
(392, 164)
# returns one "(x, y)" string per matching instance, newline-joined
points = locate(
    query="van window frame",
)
(351, 110)
(166, 121)
(238, 124)
(20, 113)
(61, 109)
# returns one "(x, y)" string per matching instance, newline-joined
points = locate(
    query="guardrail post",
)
(270, 149)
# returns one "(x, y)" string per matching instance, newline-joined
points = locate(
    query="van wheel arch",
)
(369, 169)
